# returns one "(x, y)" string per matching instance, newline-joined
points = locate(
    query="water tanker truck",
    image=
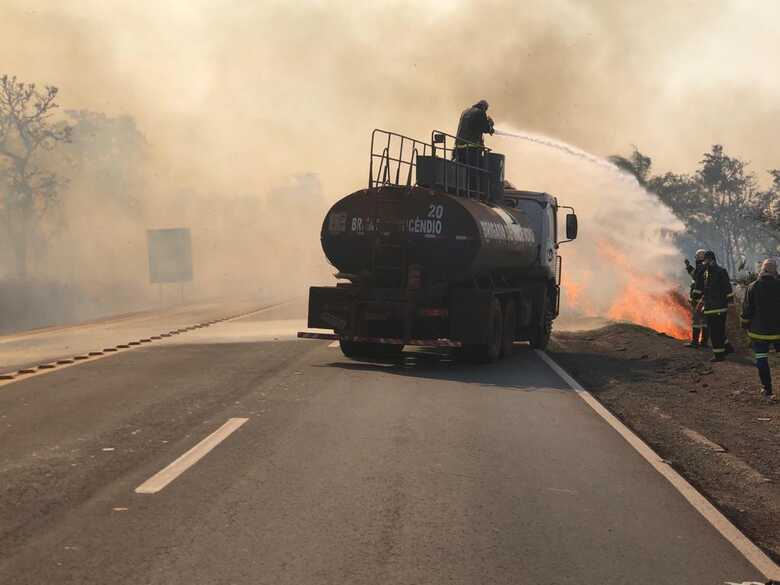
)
(439, 251)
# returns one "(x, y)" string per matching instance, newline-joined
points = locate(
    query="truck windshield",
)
(535, 212)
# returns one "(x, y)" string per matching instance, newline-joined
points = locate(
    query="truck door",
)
(550, 236)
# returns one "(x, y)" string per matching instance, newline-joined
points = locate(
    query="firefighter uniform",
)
(717, 295)
(469, 143)
(474, 122)
(699, 330)
(761, 317)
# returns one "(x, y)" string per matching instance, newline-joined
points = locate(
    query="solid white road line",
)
(722, 524)
(161, 479)
(334, 344)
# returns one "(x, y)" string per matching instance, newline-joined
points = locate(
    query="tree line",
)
(78, 191)
(45, 154)
(721, 203)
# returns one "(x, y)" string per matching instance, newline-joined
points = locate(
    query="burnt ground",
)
(707, 420)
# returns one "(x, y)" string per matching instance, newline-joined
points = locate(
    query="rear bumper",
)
(383, 340)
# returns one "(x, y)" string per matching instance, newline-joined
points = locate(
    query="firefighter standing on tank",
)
(761, 317)
(717, 295)
(699, 331)
(469, 142)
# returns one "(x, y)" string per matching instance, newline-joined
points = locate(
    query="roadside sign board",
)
(170, 255)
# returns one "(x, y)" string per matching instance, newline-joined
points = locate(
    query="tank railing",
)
(476, 179)
(412, 166)
(393, 154)
(384, 165)
(463, 172)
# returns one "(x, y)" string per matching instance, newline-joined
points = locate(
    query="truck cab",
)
(542, 210)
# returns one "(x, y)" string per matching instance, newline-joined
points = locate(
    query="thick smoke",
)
(236, 98)
(256, 89)
(623, 262)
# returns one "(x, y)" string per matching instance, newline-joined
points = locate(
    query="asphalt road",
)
(420, 472)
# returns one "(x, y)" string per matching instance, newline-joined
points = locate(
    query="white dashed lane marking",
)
(161, 479)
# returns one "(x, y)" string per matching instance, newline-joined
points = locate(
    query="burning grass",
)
(664, 312)
(647, 299)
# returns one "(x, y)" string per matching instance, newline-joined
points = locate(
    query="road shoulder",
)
(708, 422)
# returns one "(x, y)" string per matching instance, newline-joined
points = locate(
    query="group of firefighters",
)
(711, 295)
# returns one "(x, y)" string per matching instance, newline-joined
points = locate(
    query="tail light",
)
(434, 312)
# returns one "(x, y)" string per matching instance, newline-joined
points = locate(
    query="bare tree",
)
(27, 190)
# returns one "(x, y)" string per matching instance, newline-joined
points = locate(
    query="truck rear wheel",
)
(387, 350)
(540, 334)
(363, 349)
(510, 325)
(487, 353)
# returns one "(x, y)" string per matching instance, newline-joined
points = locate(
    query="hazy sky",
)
(240, 93)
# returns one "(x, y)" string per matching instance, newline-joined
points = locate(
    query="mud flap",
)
(330, 307)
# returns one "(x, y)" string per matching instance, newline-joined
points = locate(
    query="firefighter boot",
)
(764, 373)
(694, 342)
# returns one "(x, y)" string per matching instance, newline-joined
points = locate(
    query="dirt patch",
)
(708, 420)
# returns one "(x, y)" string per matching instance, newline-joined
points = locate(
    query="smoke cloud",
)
(235, 99)
(623, 263)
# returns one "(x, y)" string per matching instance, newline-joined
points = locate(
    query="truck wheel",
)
(386, 350)
(362, 349)
(490, 352)
(352, 348)
(540, 335)
(510, 325)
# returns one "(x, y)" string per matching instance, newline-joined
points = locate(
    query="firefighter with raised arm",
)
(474, 123)
(717, 295)
(699, 331)
(761, 317)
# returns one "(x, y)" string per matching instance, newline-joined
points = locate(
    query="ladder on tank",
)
(388, 256)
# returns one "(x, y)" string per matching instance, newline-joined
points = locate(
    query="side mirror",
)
(571, 226)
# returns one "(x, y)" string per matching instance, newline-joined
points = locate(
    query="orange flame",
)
(641, 302)
(574, 295)
(665, 312)
(645, 299)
